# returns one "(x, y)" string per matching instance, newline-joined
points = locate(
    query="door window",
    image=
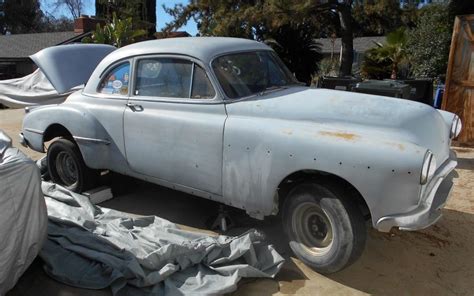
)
(172, 78)
(202, 87)
(165, 77)
(116, 81)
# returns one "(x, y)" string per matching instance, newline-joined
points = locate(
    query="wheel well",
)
(56, 130)
(312, 175)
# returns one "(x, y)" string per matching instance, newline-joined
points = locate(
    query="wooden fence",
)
(459, 93)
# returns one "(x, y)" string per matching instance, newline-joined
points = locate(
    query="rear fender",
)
(95, 144)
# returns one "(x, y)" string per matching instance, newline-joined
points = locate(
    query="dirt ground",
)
(435, 261)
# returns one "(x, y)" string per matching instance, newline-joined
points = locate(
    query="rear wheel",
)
(67, 168)
(326, 230)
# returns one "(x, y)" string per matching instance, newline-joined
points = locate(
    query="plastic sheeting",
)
(33, 89)
(23, 217)
(94, 247)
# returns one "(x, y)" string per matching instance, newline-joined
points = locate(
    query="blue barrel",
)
(438, 96)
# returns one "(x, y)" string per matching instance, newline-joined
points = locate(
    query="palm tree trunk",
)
(394, 71)
(345, 19)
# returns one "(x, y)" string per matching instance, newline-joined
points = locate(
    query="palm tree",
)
(394, 50)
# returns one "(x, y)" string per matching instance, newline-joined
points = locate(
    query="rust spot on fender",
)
(399, 146)
(341, 135)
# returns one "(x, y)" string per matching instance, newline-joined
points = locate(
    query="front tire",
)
(67, 168)
(326, 230)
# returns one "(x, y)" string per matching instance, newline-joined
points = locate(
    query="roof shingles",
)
(24, 45)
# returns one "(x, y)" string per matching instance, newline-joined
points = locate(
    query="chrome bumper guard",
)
(22, 140)
(435, 196)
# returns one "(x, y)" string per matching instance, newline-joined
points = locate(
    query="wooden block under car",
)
(99, 194)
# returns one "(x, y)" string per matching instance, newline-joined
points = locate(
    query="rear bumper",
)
(434, 197)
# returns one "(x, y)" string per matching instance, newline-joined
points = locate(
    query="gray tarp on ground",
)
(33, 89)
(23, 216)
(94, 247)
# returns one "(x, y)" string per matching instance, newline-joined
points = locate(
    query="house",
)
(331, 47)
(175, 34)
(15, 49)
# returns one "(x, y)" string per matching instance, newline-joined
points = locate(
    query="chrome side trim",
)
(33, 131)
(92, 140)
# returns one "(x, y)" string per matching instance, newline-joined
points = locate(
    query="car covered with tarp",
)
(23, 218)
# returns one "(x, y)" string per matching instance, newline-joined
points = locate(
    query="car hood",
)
(348, 114)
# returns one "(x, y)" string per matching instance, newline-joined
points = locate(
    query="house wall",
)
(25, 67)
(16, 68)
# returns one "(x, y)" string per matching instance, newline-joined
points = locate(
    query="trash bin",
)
(421, 90)
(438, 99)
(389, 88)
(339, 83)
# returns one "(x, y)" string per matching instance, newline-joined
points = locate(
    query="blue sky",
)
(161, 16)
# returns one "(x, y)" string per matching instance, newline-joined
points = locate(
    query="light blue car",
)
(224, 119)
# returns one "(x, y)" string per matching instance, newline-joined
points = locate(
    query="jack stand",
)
(223, 220)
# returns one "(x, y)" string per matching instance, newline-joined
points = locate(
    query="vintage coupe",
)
(224, 119)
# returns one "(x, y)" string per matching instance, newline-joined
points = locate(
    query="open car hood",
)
(67, 66)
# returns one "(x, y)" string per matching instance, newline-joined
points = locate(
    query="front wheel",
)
(67, 168)
(326, 230)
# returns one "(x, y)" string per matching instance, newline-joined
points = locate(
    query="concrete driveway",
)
(436, 261)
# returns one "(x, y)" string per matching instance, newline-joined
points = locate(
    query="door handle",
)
(134, 107)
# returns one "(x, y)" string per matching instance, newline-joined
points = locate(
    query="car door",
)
(173, 126)
(107, 104)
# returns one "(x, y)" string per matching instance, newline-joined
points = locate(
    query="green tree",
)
(428, 43)
(118, 32)
(327, 17)
(267, 21)
(378, 18)
(296, 46)
(373, 67)
(389, 55)
(394, 51)
(142, 12)
(20, 17)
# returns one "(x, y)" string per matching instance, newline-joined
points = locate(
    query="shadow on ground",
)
(437, 261)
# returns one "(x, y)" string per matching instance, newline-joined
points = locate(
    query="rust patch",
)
(399, 146)
(341, 135)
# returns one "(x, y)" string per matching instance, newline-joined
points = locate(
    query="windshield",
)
(248, 73)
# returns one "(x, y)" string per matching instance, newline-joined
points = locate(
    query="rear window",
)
(116, 81)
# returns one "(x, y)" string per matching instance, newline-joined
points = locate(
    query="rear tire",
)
(325, 229)
(67, 168)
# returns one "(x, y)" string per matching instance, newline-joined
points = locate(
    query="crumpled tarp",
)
(93, 247)
(23, 217)
(30, 90)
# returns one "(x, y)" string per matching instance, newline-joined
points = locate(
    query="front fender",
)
(259, 154)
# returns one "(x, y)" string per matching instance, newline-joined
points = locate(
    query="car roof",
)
(202, 48)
